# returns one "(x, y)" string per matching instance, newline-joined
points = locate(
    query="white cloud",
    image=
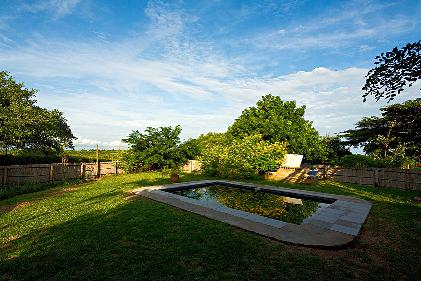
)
(308, 37)
(106, 94)
(163, 77)
(339, 27)
(90, 143)
(59, 8)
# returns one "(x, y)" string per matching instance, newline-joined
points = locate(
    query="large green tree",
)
(397, 130)
(279, 121)
(24, 125)
(394, 70)
(156, 149)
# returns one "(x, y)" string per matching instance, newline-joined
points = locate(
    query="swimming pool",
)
(289, 215)
(264, 203)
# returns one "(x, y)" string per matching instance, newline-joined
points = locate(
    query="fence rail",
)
(42, 173)
(383, 177)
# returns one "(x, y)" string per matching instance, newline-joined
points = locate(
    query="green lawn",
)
(98, 231)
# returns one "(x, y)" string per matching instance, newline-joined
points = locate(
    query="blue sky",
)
(116, 66)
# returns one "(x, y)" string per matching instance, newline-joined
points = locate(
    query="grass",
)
(98, 231)
(7, 191)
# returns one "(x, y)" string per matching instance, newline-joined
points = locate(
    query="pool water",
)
(275, 206)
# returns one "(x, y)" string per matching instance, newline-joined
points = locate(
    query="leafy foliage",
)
(23, 125)
(89, 155)
(156, 149)
(397, 160)
(190, 148)
(239, 158)
(358, 161)
(395, 69)
(333, 148)
(279, 121)
(394, 137)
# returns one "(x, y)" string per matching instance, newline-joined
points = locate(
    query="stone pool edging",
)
(336, 225)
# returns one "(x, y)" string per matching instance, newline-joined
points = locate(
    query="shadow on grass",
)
(146, 240)
(159, 180)
(143, 239)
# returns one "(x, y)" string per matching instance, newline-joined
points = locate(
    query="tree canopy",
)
(24, 125)
(398, 130)
(237, 158)
(279, 121)
(394, 70)
(156, 149)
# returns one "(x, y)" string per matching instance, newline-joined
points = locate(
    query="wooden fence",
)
(192, 166)
(383, 177)
(42, 173)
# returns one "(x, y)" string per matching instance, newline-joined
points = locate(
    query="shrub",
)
(393, 161)
(357, 161)
(241, 158)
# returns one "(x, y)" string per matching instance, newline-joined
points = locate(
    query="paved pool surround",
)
(334, 226)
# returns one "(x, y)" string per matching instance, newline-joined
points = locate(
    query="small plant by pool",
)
(275, 206)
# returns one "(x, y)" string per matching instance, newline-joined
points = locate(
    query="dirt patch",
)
(23, 204)
(61, 191)
(70, 189)
(130, 195)
(9, 208)
(12, 238)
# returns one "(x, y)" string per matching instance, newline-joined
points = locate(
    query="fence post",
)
(82, 170)
(4, 180)
(323, 172)
(376, 177)
(50, 176)
(98, 167)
